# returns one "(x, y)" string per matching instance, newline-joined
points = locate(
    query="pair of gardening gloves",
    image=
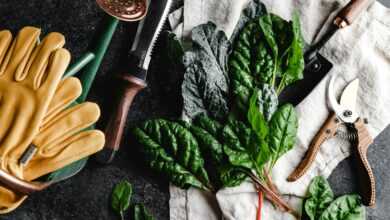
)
(35, 111)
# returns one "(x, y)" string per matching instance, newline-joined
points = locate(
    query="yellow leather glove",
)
(59, 141)
(29, 75)
(62, 139)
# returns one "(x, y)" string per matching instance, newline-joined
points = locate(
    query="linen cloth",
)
(361, 50)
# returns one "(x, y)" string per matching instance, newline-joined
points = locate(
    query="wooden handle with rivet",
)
(117, 121)
(327, 130)
(350, 12)
(364, 171)
(21, 186)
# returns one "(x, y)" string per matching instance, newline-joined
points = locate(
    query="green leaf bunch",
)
(321, 205)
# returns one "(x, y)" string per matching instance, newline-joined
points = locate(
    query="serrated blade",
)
(148, 31)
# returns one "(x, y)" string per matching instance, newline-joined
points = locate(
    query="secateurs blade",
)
(343, 112)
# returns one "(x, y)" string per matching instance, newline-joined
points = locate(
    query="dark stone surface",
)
(87, 195)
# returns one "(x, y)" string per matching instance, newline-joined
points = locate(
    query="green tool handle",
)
(101, 47)
(79, 64)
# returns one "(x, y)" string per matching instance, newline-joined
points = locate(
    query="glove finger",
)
(20, 51)
(9, 200)
(73, 149)
(5, 42)
(64, 125)
(66, 93)
(7, 109)
(51, 77)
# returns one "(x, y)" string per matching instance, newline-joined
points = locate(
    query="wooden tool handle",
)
(366, 176)
(116, 124)
(351, 11)
(327, 130)
(21, 186)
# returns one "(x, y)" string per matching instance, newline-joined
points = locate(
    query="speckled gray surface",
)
(86, 196)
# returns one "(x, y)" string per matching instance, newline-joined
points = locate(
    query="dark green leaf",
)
(267, 28)
(230, 176)
(320, 196)
(254, 9)
(141, 213)
(294, 64)
(283, 131)
(347, 207)
(207, 132)
(250, 63)
(256, 118)
(243, 147)
(172, 149)
(121, 196)
(205, 87)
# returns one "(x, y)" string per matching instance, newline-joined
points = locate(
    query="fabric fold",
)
(361, 50)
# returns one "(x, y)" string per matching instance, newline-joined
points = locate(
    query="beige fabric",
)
(361, 50)
(34, 108)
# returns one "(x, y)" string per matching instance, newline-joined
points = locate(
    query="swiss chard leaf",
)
(254, 9)
(294, 64)
(256, 118)
(141, 213)
(121, 196)
(243, 146)
(266, 24)
(208, 131)
(283, 131)
(320, 196)
(347, 207)
(171, 149)
(205, 87)
(250, 63)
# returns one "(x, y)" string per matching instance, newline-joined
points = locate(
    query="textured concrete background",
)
(87, 195)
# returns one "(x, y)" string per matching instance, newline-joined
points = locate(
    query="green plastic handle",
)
(101, 47)
(79, 64)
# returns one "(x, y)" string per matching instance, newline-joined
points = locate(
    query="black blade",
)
(148, 32)
(313, 74)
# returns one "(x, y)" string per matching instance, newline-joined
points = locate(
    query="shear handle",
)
(327, 131)
(351, 12)
(365, 174)
(21, 186)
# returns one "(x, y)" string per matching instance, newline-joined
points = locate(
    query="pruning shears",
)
(343, 112)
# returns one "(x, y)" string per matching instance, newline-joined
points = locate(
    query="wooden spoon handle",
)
(365, 174)
(351, 11)
(327, 130)
(117, 122)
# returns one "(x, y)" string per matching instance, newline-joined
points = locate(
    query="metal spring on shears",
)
(349, 136)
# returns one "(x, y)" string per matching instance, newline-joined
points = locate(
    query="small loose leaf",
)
(347, 207)
(141, 213)
(121, 196)
(320, 196)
